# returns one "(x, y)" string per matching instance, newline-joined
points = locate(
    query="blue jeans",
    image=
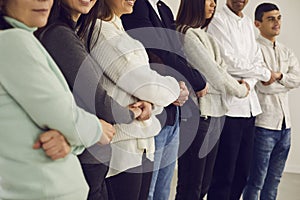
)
(271, 148)
(166, 148)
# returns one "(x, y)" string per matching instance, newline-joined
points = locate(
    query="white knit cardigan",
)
(125, 63)
(203, 53)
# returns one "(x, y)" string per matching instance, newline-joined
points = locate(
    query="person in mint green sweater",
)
(34, 97)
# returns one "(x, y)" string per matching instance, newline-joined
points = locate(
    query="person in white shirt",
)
(273, 127)
(235, 35)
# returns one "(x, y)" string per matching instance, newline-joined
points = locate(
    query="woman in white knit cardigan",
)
(129, 79)
(197, 163)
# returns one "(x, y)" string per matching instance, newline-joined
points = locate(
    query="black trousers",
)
(195, 166)
(233, 160)
(95, 177)
(133, 184)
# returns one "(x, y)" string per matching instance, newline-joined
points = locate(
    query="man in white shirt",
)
(235, 35)
(273, 127)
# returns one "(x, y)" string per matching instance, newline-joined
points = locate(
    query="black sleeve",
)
(82, 74)
(143, 26)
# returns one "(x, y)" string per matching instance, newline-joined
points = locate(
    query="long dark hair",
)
(85, 25)
(191, 14)
(3, 24)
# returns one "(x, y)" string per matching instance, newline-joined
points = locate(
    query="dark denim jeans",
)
(271, 148)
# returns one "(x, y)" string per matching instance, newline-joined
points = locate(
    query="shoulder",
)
(220, 15)
(248, 21)
(18, 41)
(16, 36)
(167, 9)
(193, 33)
(107, 29)
(283, 47)
(57, 31)
(19, 47)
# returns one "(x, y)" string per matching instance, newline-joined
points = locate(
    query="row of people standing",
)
(126, 76)
(271, 70)
(231, 104)
(69, 37)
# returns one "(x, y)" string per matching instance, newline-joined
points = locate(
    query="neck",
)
(118, 14)
(271, 38)
(238, 13)
(75, 16)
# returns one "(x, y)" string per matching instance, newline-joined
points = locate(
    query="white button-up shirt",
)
(240, 51)
(274, 98)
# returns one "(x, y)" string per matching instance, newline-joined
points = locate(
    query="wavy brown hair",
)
(105, 12)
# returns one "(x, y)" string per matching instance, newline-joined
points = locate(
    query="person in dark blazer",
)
(152, 23)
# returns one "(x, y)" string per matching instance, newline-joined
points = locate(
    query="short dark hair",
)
(191, 14)
(262, 8)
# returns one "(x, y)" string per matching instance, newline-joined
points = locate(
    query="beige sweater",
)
(125, 63)
(203, 54)
(274, 98)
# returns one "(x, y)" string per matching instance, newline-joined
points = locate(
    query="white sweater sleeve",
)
(124, 60)
(214, 72)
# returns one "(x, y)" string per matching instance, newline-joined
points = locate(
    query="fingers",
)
(202, 92)
(108, 132)
(241, 81)
(142, 110)
(54, 144)
(47, 136)
(183, 96)
(275, 76)
(37, 145)
(146, 111)
(136, 111)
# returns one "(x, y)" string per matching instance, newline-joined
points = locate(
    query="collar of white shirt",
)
(265, 41)
(154, 6)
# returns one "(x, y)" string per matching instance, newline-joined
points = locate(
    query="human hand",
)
(183, 96)
(202, 92)
(271, 80)
(136, 110)
(278, 75)
(54, 144)
(246, 85)
(146, 109)
(108, 132)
